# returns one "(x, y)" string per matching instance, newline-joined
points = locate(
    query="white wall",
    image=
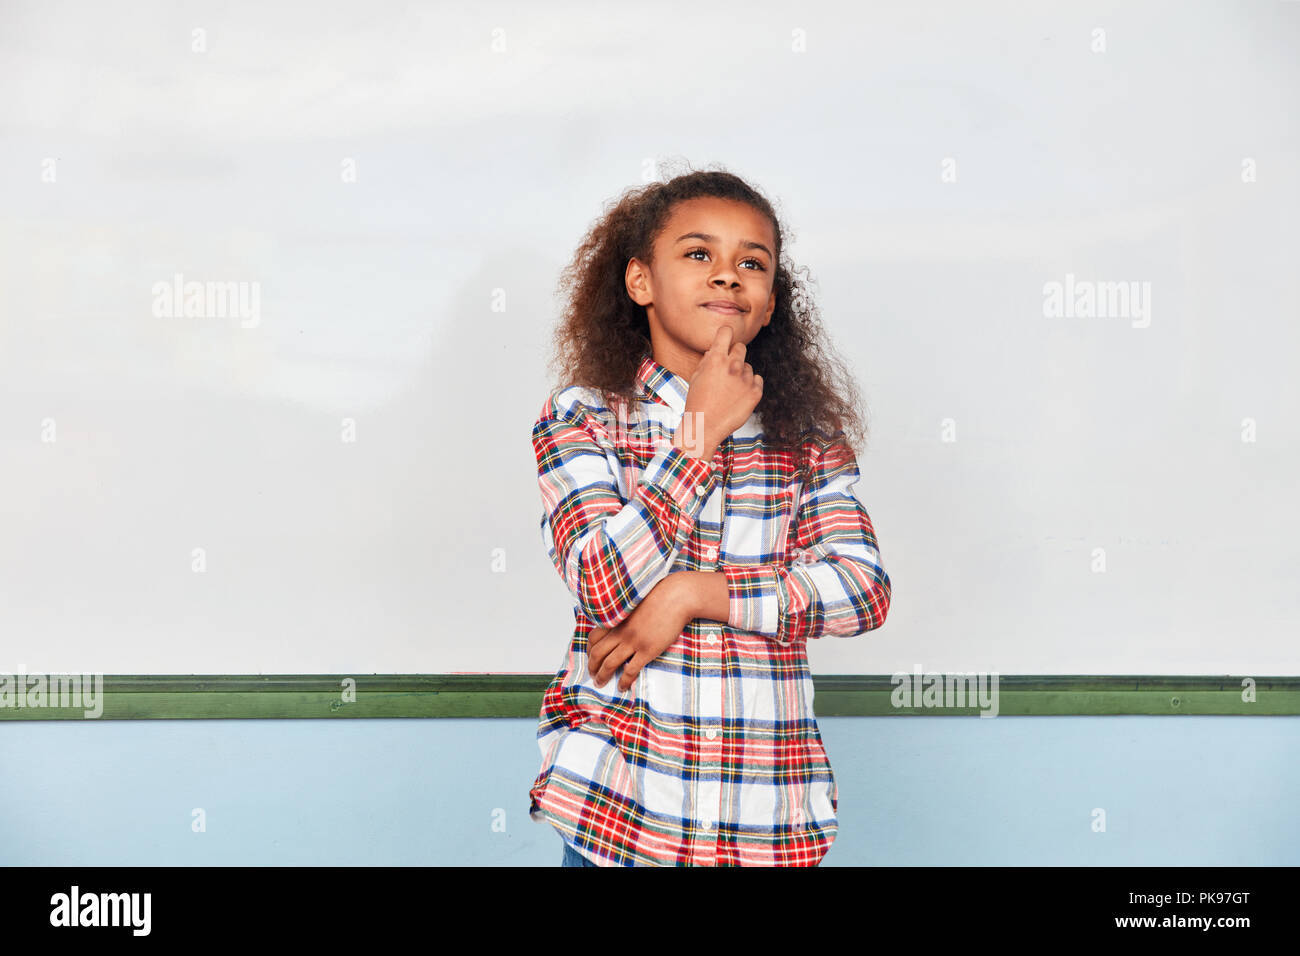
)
(479, 171)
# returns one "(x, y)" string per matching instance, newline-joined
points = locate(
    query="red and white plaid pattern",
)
(714, 756)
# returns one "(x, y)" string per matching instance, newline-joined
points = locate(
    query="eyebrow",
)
(745, 243)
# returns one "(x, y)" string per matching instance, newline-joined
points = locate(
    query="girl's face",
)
(709, 251)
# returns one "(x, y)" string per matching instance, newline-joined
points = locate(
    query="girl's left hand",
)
(652, 627)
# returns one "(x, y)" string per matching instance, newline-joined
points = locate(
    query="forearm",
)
(705, 594)
(611, 545)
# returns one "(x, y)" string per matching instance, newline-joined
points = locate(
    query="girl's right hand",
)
(724, 390)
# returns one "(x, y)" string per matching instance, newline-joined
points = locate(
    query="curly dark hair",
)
(603, 335)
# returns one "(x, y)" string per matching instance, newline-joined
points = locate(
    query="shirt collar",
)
(663, 385)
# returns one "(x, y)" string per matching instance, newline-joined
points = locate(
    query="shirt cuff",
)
(683, 482)
(754, 596)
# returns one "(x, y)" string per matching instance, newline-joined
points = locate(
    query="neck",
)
(677, 358)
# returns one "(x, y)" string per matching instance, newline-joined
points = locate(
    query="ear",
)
(637, 281)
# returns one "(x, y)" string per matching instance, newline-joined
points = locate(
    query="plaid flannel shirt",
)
(714, 756)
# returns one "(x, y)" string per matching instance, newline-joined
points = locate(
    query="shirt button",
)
(700, 489)
(711, 733)
(712, 638)
(711, 553)
(706, 824)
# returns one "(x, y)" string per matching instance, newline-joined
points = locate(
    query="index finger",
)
(722, 338)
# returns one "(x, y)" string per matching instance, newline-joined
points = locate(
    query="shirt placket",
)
(708, 795)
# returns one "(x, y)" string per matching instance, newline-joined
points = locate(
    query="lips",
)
(723, 306)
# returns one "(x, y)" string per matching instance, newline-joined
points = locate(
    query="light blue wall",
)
(913, 790)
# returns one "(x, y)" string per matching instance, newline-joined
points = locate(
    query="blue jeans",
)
(573, 858)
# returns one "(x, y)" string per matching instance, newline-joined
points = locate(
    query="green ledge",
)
(295, 696)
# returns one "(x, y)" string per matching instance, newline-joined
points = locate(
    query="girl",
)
(696, 484)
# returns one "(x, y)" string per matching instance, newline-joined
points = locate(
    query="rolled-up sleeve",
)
(834, 584)
(610, 552)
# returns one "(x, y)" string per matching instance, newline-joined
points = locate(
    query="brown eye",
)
(757, 262)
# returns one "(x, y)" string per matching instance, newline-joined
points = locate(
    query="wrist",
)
(702, 594)
(684, 592)
(692, 440)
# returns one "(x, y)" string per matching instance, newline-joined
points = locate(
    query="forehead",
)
(725, 218)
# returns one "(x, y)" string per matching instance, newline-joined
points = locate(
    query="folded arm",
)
(833, 585)
(610, 552)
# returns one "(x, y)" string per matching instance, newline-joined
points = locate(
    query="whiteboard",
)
(339, 478)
